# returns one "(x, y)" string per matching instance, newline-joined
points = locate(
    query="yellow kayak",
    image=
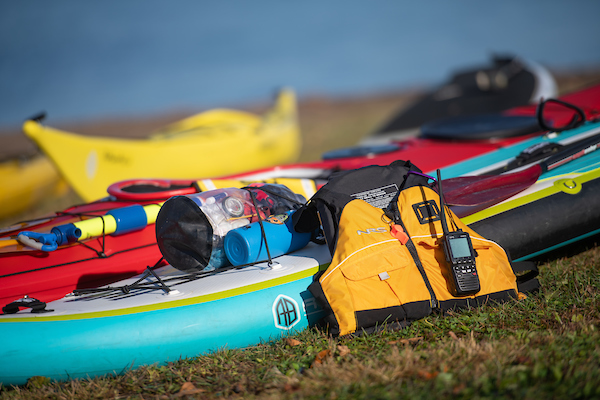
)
(26, 182)
(213, 143)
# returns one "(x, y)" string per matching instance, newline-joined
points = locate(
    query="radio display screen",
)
(460, 247)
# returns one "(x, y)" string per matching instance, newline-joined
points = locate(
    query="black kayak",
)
(508, 82)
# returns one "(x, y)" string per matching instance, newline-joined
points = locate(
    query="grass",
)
(545, 346)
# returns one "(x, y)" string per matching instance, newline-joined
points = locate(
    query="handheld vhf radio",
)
(461, 273)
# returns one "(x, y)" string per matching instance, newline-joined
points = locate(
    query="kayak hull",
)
(100, 334)
(555, 212)
(212, 143)
(25, 183)
(473, 91)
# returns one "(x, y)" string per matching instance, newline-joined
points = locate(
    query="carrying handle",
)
(36, 306)
(39, 241)
(578, 118)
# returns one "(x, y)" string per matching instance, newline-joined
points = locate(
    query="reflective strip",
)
(206, 184)
(305, 187)
(472, 238)
(309, 188)
(353, 253)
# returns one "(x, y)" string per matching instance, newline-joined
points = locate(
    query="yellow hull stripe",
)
(176, 303)
(508, 205)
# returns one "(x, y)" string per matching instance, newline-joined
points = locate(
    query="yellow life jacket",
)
(383, 229)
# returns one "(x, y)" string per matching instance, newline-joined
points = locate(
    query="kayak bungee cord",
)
(191, 276)
(78, 261)
(163, 282)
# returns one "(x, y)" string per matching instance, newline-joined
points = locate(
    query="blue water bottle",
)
(246, 245)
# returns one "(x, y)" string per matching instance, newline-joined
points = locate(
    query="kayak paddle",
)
(478, 192)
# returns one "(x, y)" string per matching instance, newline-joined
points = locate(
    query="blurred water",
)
(80, 60)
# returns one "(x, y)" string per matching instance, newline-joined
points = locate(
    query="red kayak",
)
(449, 141)
(587, 99)
(47, 270)
(48, 275)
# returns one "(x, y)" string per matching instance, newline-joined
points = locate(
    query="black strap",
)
(526, 272)
(260, 223)
(36, 306)
(395, 212)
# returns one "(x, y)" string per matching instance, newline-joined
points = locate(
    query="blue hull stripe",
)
(558, 246)
(105, 345)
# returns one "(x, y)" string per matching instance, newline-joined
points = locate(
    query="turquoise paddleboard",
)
(110, 332)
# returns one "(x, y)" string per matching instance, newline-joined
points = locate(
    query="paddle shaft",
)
(486, 190)
(572, 152)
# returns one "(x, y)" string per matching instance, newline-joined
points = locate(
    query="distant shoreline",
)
(13, 144)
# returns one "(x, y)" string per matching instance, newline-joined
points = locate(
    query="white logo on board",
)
(286, 312)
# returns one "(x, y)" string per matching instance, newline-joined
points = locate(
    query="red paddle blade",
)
(469, 194)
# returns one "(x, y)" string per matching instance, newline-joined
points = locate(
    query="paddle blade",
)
(469, 194)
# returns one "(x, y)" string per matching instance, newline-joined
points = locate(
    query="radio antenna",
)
(442, 206)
